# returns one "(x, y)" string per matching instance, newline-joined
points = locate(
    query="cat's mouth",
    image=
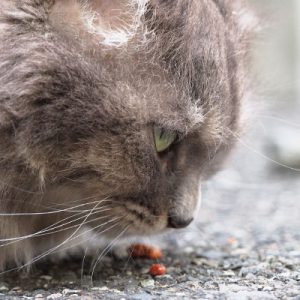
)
(141, 220)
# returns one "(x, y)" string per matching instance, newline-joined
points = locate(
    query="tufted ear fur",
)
(114, 22)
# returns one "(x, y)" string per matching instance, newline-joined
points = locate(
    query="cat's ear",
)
(112, 22)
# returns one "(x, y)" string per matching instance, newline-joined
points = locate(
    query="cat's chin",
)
(140, 220)
(135, 228)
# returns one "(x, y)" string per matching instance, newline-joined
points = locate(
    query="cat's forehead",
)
(174, 74)
(147, 100)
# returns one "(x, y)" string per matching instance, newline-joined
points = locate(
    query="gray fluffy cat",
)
(112, 112)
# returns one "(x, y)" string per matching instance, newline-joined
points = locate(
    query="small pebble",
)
(102, 289)
(73, 296)
(250, 276)
(229, 273)
(3, 288)
(147, 283)
(268, 289)
(54, 296)
(69, 292)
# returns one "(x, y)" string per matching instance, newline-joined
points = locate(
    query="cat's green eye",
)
(164, 138)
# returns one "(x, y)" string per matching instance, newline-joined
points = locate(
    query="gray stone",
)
(148, 283)
(67, 292)
(3, 287)
(55, 296)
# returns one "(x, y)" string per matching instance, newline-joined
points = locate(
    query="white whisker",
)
(70, 210)
(106, 250)
(294, 124)
(56, 248)
(97, 233)
(61, 244)
(51, 230)
(261, 154)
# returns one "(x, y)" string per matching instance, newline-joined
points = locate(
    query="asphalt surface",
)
(245, 245)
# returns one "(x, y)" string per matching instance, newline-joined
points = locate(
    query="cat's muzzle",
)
(178, 222)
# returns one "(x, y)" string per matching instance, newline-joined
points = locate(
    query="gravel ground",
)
(245, 245)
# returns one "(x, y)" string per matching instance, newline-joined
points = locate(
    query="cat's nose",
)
(178, 222)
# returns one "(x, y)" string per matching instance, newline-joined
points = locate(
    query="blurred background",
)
(276, 61)
(277, 52)
(256, 198)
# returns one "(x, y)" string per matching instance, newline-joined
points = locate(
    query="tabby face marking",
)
(80, 96)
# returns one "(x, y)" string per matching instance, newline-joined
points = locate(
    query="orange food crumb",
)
(144, 251)
(155, 253)
(232, 241)
(157, 270)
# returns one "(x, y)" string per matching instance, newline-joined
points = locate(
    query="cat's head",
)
(121, 107)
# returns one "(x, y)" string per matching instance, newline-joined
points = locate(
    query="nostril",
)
(177, 222)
